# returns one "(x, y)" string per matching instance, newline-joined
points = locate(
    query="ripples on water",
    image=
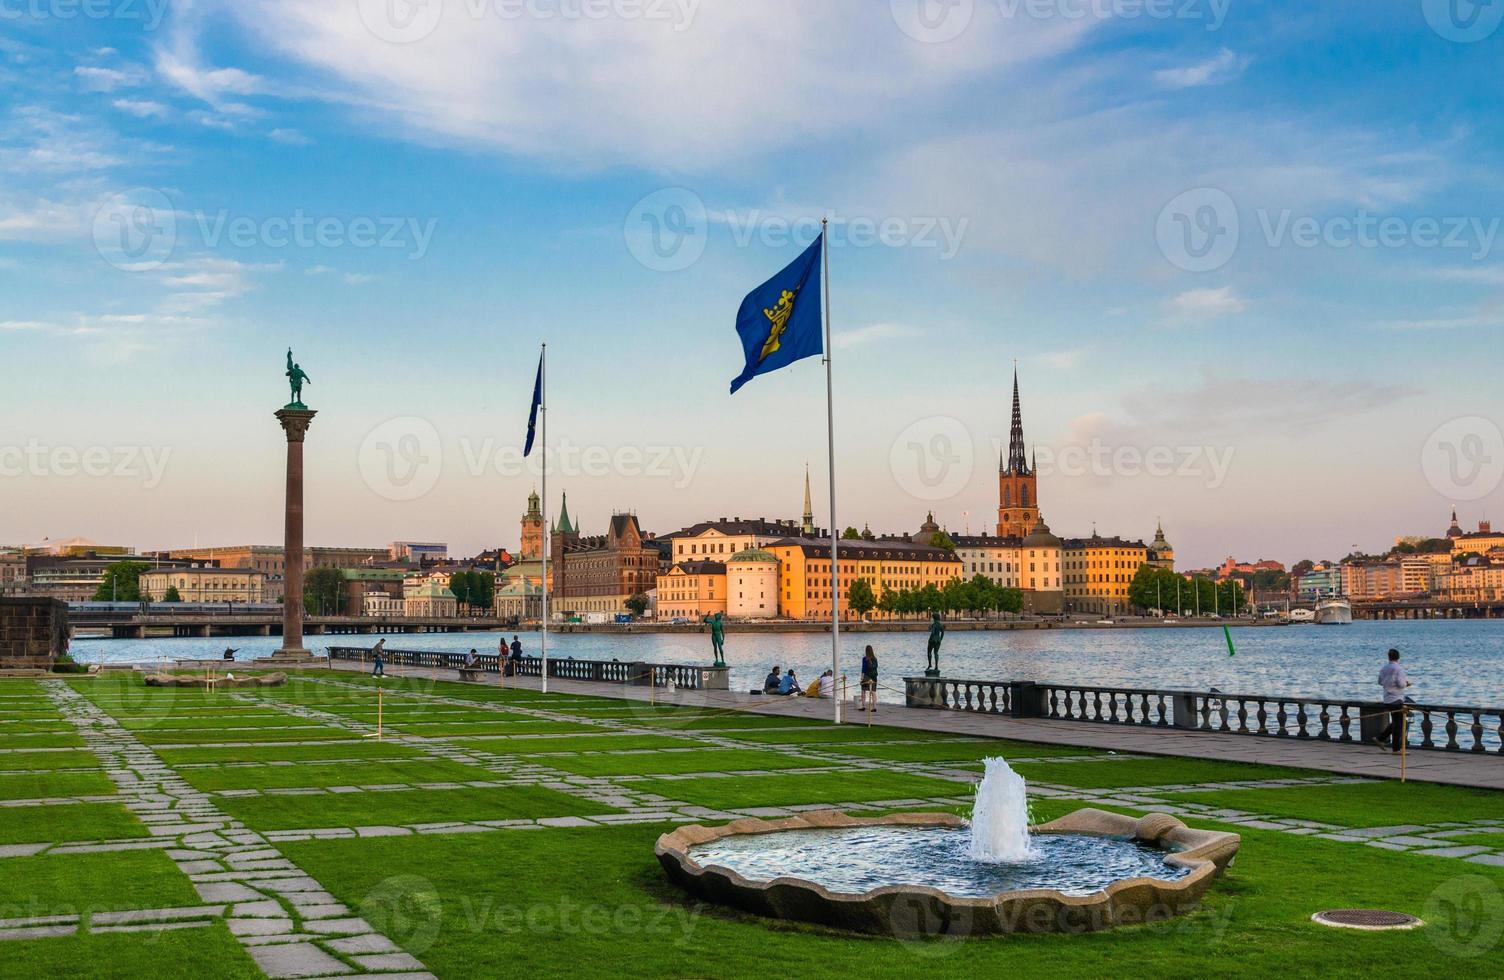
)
(1454, 661)
(857, 859)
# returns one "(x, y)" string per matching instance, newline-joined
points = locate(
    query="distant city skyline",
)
(1245, 257)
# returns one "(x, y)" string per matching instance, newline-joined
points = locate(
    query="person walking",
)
(376, 656)
(1394, 681)
(869, 680)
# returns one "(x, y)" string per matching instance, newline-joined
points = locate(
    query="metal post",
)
(547, 533)
(830, 441)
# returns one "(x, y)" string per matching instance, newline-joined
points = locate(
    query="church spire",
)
(1018, 460)
(809, 510)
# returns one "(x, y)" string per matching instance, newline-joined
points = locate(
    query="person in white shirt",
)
(828, 684)
(1394, 681)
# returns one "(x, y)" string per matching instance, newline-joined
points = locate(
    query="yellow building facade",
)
(805, 590)
(206, 584)
(692, 590)
(1096, 572)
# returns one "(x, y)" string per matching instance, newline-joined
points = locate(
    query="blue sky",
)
(1258, 241)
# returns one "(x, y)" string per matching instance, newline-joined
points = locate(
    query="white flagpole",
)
(830, 441)
(547, 531)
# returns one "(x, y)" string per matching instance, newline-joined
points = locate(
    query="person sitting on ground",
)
(812, 690)
(771, 682)
(789, 684)
(1394, 681)
(827, 688)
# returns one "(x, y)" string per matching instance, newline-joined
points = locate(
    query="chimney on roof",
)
(1485, 527)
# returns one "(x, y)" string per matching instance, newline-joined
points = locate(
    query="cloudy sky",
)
(1247, 256)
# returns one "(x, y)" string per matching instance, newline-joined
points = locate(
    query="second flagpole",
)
(830, 442)
(547, 532)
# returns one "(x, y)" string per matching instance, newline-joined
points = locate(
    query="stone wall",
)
(33, 631)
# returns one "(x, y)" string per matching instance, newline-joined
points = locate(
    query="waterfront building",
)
(1479, 542)
(752, 584)
(381, 605)
(1032, 564)
(1232, 567)
(599, 573)
(430, 599)
(805, 590)
(1097, 572)
(378, 588)
(1161, 554)
(204, 583)
(532, 529)
(1474, 579)
(1393, 579)
(272, 561)
(692, 590)
(1018, 484)
(520, 599)
(418, 552)
(12, 572)
(1322, 580)
(719, 540)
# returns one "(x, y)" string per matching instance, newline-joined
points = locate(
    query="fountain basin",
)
(1078, 902)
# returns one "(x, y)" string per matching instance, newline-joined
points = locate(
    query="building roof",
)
(1041, 536)
(700, 568)
(754, 555)
(891, 549)
(1097, 541)
(735, 526)
(986, 541)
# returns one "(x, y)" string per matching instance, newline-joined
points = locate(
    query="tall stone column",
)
(295, 422)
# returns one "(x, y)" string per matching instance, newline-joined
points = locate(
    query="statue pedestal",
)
(295, 422)
(932, 672)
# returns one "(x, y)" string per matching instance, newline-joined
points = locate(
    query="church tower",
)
(532, 529)
(1018, 492)
(808, 527)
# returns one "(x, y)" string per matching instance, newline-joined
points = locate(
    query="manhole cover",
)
(1371, 919)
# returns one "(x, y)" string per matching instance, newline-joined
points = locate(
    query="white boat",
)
(1335, 611)
(1302, 616)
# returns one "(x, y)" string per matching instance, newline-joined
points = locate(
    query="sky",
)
(1246, 257)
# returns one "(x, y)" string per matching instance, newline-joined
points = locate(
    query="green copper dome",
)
(755, 554)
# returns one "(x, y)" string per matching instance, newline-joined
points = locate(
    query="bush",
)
(67, 665)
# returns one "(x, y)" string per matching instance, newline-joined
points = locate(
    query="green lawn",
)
(45, 784)
(404, 807)
(836, 786)
(48, 760)
(577, 743)
(191, 954)
(212, 736)
(1375, 804)
(69, 822)
(1152, 772)
(368, 749)
(41, 740)
(461, 729)
(419, 770)
(565, 898)
(56, 884)
(842, 733)
(971, 750)
(654, 763)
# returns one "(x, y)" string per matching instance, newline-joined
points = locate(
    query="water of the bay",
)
(1457, 662)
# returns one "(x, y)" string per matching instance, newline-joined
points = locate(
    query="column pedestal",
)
(295, 422)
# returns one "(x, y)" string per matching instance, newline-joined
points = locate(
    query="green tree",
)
(888, 604)
(1303, 567)
(942, 540)
(483, 591)
(637, 604)
(982, 595)
(860, 598)
(851, 534)
(955, 596)
(121, 582)
(171, 595)
(1009, 600)
(461, 584)
(930, 599)
(324, 592)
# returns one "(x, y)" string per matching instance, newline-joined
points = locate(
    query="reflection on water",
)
(854, 860)
(1456, 661)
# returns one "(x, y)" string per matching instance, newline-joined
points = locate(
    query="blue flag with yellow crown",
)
(779, 321)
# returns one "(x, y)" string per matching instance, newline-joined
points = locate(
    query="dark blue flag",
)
(532, 418)
(779, 321)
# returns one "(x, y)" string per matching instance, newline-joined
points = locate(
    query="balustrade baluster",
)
(1451, 745)
(1300, 720)
(1280, 718)
(1477, 730)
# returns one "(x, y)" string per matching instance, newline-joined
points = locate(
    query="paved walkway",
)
(1484, 771)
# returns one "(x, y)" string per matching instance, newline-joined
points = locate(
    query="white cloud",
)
(1224, 66)
(358, 278)
(596, 92)
(289, 136)
(872, 333)
(99, 79)
(1062, 360)
(141, 108)
(1208, 303)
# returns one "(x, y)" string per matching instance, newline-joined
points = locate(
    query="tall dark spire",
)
(1018, 460)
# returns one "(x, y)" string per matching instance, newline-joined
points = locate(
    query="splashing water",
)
(1000, 816)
